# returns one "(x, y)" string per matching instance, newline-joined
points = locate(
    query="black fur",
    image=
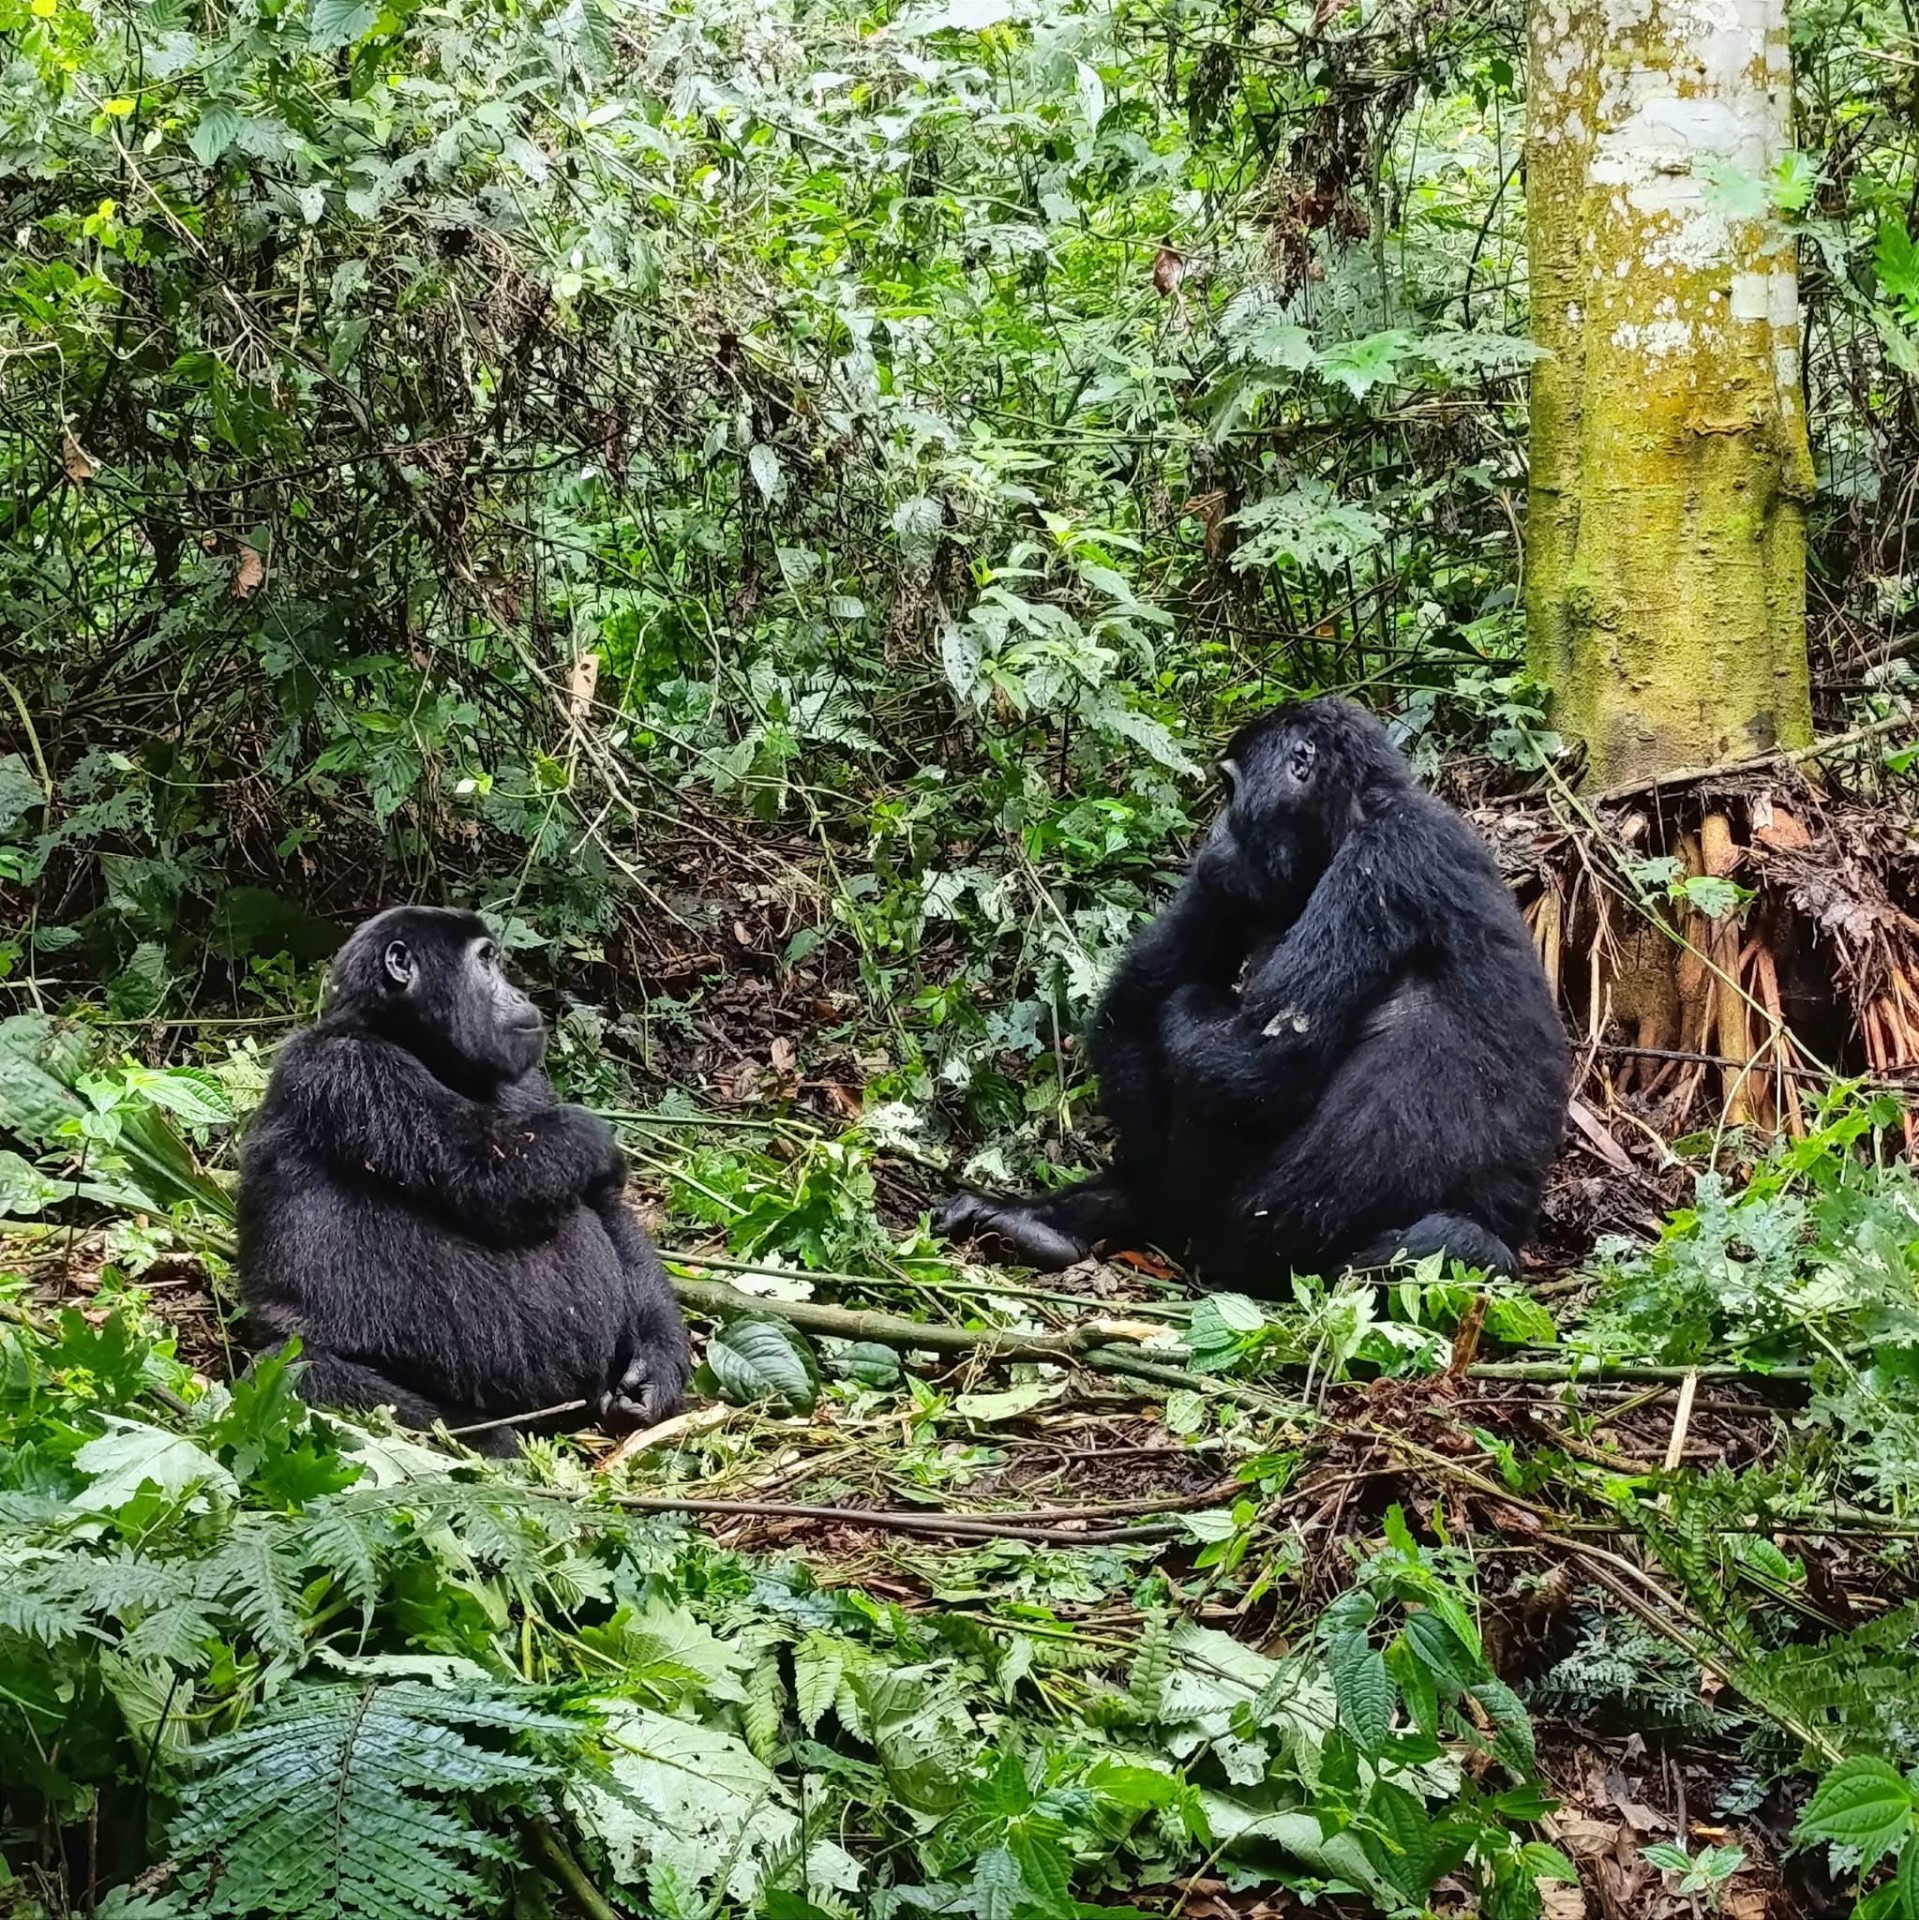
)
(1391, 1075)
(444, 1237)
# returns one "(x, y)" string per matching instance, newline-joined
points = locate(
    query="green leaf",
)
(1862, 1803)
(1185, 1413)
(1361, 365)
(132, 1456)
(1046, 1869)
(189, 1093)
(24, 1189)
(1400, 1845)
(765, 466)
(1437, 1648)
(214, 132)
(1548, 1863)
(1668, 1858)
(867, 1363)
(1416, 1686)
(997, 1885)
(1363, 1689)
(760, 1358)
(1907, 1881)
(819, 1664)
(336, 23)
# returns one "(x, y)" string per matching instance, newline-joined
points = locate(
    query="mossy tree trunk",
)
(1666, 524)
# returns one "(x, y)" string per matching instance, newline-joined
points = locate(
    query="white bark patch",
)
(1690, 106)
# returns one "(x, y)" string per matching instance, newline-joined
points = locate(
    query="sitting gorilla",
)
(1391, 1077)
(444, 1237)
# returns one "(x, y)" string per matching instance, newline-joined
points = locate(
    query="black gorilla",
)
(444, 1237)
(1391, 1076)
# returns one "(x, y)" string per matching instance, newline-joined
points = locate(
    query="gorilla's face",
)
(1295, 778)
(1276, 788)
(495, 1028)
(432, 979)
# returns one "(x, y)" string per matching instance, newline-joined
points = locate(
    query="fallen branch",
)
(1039, 1525)
(715, 1298)
(1580, 1371)
(1111, 1347)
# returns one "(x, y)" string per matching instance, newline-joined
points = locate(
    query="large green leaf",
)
(759, 1358)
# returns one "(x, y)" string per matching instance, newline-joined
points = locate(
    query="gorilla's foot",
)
(1452, 1234)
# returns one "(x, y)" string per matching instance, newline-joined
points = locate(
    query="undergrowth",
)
(257, 1661)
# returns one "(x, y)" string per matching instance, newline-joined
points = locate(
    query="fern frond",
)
(255, 1576)
(356, 1802)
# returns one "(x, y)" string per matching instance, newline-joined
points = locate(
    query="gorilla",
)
(1334, 1047)
(446, 1238)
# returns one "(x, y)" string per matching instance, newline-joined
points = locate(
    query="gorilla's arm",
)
(653, 1359)
(1378, 903)
(1199, 940)
(371, 1107)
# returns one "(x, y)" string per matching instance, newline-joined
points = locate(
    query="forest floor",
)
(1078, 1453)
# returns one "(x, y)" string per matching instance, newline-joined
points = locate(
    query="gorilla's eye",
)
(1299, 762)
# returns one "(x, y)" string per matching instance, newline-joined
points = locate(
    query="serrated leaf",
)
(997, 1886)
(1045, 1867)
(1363, 1689)
(1401, 1845)
(214, 132)
(335, 23)
(1512, 1726)
(759, 1358)
(1237, 1312)
(1361, 365)
(1862, 1803)
(131, 1455)
(1907, 1880)
(1438, 1649)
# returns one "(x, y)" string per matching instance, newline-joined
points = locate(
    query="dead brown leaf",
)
(80, 468)
(249, 573)
(580, 685)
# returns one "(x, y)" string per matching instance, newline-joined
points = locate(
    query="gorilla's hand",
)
(602, 1165)
(1019, 1226)
(646, 1393)
(1223, 869)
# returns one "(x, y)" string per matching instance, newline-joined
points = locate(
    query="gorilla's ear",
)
(398, 963)
(1229, 773)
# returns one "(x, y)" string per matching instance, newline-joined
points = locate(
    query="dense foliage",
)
(280, 1665)
(776, 502)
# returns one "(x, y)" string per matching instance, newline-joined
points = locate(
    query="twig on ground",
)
(715, 1298)
(558, 1860)
(1036, 1525)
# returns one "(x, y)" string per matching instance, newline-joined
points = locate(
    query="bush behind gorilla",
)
(1391, 1076)
(443, 1235)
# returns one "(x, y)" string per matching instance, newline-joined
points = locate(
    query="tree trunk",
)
(1665, 590)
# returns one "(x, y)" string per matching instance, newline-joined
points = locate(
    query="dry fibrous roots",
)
(1702, 1007)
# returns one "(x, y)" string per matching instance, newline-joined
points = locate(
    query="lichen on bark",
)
(1665, 590)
